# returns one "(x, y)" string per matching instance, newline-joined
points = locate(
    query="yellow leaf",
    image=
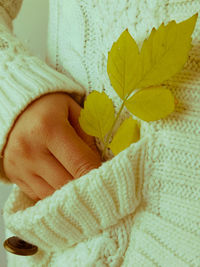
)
(151, 104)
(162, 55)
(123, 63)
(97, 116)
(165, 52)
(127, 133)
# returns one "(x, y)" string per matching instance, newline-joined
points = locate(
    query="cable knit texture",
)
(141, 207)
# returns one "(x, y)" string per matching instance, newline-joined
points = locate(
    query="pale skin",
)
(47, 148)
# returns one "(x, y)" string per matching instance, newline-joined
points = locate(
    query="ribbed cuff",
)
(83, 207)
(23, 80)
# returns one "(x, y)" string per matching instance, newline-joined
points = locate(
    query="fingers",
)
(51, 175)
(40, 187)
(27, 190)
(44, 128)
(73, 116)
(36, 187)
(52, 171)
(72, 152)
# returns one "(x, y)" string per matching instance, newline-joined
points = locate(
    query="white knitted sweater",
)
(141, 207)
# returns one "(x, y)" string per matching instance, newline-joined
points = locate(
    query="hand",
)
(47, 148)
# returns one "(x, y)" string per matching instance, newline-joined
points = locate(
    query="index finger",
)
(72, 152)
(73, 117)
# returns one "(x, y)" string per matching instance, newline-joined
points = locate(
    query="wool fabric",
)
(139, 208)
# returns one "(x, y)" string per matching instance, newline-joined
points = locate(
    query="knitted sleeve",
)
(82, 208)
(23, 77)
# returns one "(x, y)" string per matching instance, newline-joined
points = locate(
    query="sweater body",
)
(141, 207)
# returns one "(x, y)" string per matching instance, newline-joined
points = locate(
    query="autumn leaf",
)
(127, 133)
(97, 116)
(162, 55)
(151, 104)
(123, 65)
(136, 76)
(165, 52)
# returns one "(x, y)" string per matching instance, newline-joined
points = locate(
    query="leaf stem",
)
(114, 123)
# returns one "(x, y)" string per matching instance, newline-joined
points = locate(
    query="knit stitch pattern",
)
(23, 78)
(141, 207)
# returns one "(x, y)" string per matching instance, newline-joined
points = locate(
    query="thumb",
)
(73, 115)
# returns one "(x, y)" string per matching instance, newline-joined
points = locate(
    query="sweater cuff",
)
(83, 207)
(26, 79)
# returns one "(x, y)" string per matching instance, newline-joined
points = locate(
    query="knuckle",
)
(45, 126)
(26, 189)
(11, 176)
(15, 156)
(22, 148)
(41, 125)
(8, 160)
(39, 131)
(84, 168)
(30, 193)
(18, 147)
(8, 166)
